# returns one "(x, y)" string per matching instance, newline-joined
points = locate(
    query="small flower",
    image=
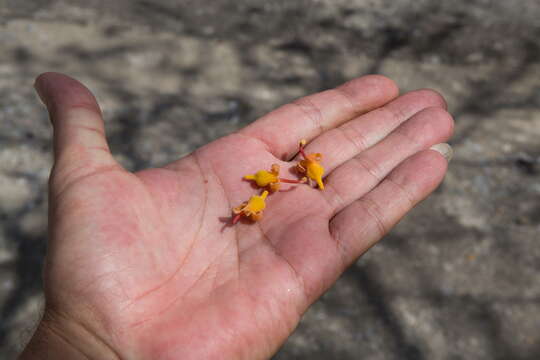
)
(311, 166)
(271, 178)
(252, 208)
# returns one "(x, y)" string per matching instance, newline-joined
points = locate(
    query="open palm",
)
(148, 264)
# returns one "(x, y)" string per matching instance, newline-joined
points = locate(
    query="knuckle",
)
(369, 167)
(347, 95)
(311, 111)
(373, 210)
(403, 192)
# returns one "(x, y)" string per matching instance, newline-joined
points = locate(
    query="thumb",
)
(80, 145)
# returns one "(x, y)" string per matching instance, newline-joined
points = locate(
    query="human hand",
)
(140, 266)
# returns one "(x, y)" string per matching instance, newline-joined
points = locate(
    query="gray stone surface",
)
(459, 278)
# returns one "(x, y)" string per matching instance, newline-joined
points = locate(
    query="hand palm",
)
(150, 255)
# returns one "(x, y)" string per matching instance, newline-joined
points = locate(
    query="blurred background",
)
(459, 278)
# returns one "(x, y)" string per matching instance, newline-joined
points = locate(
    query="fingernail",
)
(444, 149)
(39, 91)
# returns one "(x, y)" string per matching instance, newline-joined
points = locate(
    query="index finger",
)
(308, 117)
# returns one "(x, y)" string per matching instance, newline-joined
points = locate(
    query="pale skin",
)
(143, 265)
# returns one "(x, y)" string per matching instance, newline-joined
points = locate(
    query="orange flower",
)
(252, 208)
(271, 178)
(311, 166)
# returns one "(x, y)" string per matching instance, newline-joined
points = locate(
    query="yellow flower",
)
(271, 178)
(252, 208)
(311, 165)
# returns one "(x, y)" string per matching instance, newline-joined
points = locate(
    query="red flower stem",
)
(236, 218)
(302, 152)
(291, 181)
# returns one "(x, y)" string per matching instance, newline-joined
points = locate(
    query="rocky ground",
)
(459, 278)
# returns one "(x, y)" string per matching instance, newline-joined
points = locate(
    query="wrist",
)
(60, 338)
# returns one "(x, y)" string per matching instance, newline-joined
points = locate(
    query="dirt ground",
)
(459, 278)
